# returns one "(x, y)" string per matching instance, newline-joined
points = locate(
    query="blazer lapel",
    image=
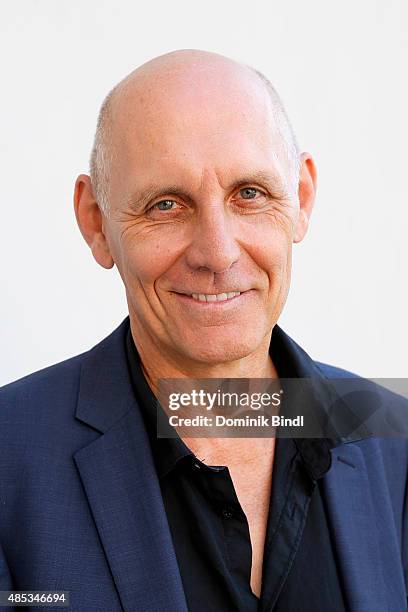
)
(120, 482)
(363, 534)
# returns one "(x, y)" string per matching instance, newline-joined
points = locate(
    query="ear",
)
(306, 193)
(90, 221)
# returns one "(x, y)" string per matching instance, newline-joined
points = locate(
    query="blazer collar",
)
(103, 373)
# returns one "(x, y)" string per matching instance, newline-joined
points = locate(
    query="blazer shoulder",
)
(383, 448)
(45, 377)
(41, 397)
(48, 397)
(331, 371)
(63, 370)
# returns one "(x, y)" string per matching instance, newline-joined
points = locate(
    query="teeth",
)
(214, 297)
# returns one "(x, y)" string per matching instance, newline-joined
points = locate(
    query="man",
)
(197, 193)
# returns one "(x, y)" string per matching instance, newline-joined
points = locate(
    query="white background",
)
(341, 69)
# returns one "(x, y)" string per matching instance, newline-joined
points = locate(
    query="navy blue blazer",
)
(81, 508)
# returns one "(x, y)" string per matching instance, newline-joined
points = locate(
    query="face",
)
(202, 219)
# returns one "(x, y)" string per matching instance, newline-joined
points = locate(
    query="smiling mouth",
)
(212, 297)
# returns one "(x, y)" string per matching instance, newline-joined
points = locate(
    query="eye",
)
(164, 205)
(249, 193)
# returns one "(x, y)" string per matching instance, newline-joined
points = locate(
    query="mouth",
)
(212, 298)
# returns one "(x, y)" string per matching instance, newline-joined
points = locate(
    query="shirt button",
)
(227, 513)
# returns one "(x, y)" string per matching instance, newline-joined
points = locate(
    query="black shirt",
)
(210, 530)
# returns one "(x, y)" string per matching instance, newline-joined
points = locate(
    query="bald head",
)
(187, 81)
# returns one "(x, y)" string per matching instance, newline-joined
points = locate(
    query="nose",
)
(213, 246)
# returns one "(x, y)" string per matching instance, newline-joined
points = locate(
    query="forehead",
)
(186, 124)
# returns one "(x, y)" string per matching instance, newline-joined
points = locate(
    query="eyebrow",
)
(274, 182)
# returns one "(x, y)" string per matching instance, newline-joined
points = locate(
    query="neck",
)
(157, 363)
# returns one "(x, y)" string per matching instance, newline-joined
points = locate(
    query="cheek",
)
(145, 261)
(272, 253)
